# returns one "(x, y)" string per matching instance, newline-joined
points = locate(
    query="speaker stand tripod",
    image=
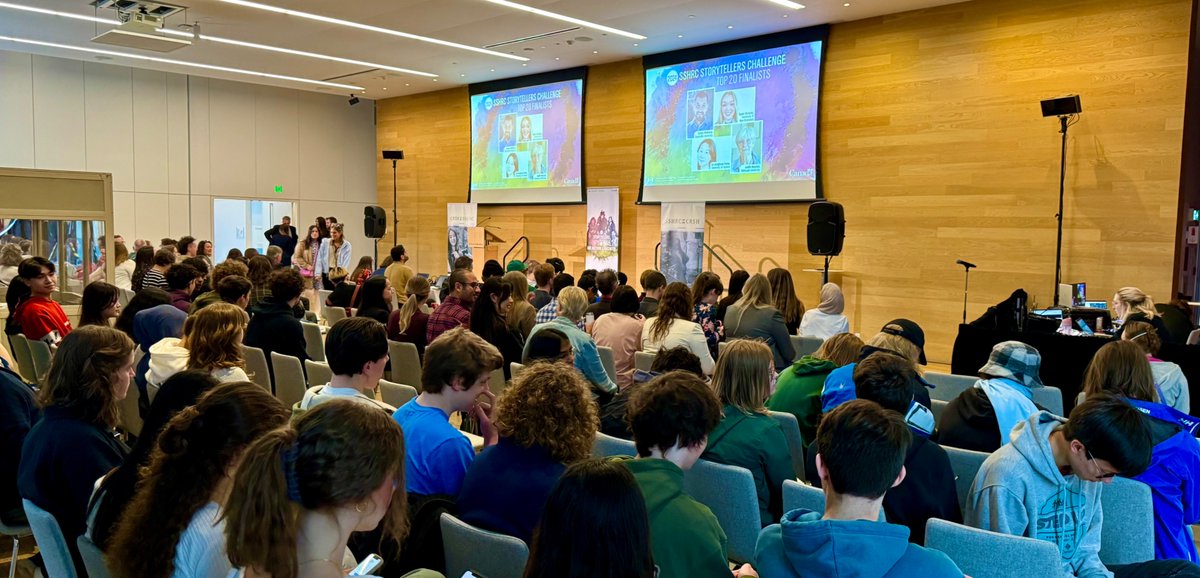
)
(825, 272)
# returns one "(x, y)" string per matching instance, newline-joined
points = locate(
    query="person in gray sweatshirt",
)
(1047, 484)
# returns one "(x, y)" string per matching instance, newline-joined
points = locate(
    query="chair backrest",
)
(256, 366)
(468, 548)
(39, 352)
(608, 361)
(730, 493)
(131, 417)
(791, 432)
(20, 346)
(800, 495)
(607, 446)
(93, 558)
(314, 346)
(396, 394)
(806, 345)
(289, 378)
(965, 464)
(720, 348)
(333, 314)
(46, 531)
(947, 386)
(323, 294)
(125, 296)
(939, 407)
(515, 369)
(1050, 398)
(1129, 517)
(498, 384)
(406, 363)
(984, 554)
(318, 372)
(1194, 337)
(643, 360)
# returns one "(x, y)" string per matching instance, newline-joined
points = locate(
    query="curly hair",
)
(213, 337)
(551, 408)
(193, 454)
(81, 374)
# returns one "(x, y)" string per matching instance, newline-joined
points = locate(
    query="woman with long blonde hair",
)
(754, 316)
(212, 341)
(1132, 304)
(407, 324)
(521, 316)
(786, 301)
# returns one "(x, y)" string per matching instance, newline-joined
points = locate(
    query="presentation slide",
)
(739, 128)
(526, 144)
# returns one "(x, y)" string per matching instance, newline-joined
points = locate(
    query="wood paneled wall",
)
(932, 139)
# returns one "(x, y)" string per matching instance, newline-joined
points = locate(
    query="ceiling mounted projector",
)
(140, 24)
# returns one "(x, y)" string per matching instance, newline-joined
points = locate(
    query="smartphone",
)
(1085, 328)
(473, 574)
(368, 565)
(589, 319)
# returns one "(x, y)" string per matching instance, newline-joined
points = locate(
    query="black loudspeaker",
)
(826, 228)
(1064, 106)
(374, 221)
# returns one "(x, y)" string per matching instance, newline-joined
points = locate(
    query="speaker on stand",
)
(375, 226)
(826, 232)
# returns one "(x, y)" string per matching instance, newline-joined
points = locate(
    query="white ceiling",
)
(668, 24)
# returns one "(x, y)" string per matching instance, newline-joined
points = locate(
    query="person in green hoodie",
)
(671, 417)
(798, 391)
(860, 456)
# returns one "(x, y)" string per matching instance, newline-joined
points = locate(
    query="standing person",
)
(572, 304)
(827, 319)
(673, 326)
(982, 417)
(187, 247)
(323, 227)
(205, 252)
(653, 285)
(784, 292)
(455, 310)
(283, 236)
(73, 444)
(754, 317)
(305, 260)
(522, 316)
(1169, 381)
(334, 253)
(798, 390)
(489, 321)
(706, 291)
(273, 327)
(543, 277)
(399, 272)
(357, 351)
(621, 331)
(409, 323)
(143, 261)
(736, 281)
(174, 525)
(100, 303)
(123, 267)
(39, 317)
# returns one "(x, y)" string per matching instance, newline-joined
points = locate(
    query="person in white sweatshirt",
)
(212, 341)
(357, 352)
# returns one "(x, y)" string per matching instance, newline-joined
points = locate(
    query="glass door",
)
(241, 224)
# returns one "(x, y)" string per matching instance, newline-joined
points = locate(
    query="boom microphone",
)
(965, 264)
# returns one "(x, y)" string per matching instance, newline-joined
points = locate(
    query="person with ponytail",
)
(408, 323)
(173, 527)
(300, 491)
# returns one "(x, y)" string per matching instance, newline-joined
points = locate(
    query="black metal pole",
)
(825, 273)
(395, 215)
(1062, 179)
(966, 284)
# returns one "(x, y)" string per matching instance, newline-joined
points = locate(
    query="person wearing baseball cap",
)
(982, 417)
(901, 337)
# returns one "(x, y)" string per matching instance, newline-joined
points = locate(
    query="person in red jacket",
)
(40, 317)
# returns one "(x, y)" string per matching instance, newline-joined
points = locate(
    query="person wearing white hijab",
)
(827, 319)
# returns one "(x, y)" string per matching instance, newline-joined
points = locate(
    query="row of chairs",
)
(33, 357)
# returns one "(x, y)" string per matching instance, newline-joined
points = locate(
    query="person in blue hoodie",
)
(860, 456)
(1047, 484)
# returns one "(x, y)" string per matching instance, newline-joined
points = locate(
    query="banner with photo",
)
(682, 241)
(459, 218)
(603, 228)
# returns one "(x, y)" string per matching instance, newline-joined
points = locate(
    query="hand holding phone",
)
(368, 565)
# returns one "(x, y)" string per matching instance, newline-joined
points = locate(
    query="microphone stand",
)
(395, 214)
(1062, 178)
(966, 284)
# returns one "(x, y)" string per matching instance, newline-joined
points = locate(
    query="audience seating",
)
(332, 314)
(256, 366)
(16, 533)
(643, 360)
(730, 493)
(1128, 521)
(984, 554)
(1049, 398)
(55, 554)
(1194, 337)
(498, 384)
(607, 446)
(608, 361)
(721, 347)
(939, 406)
(406, 363)
(480, 551)
(396, 394)
(125, 296)
(515, 369)
(805, 345)
(318, 372)
(965, 464)
(314, 346)
(323, 294)
(93, 558)
(39, 352)
(798, 495)
(947, 386)
(131, 416)
(289, 378)
(791, 432)
(20, 350)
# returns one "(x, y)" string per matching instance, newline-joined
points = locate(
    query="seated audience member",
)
(736, 282)
(1047, 483)
(543, 276)
(212, 341)
(550, 310)
(342, 292)
(748, 436)
(275, 255)
(455, 310)
(621, 331)
(100, 303)
(514, 265)
(156, 275)
(235, 254)
(606, 283)
(356, 350)
(1177, 318)
(612, 414)
(928, 489)
(174, 525)
(546, 421)
(798, 390)
(186, 247)
(151, 326)
(755, 317)
(73, 444)
(183, 279)
(227, 269)
(18, 412)
(549, 345)
(492, 268)
(981, 418)
(359, 276)
(409, 323)
(1119, 368)
(376, 299)
(141, 301)
(488, 318)
(38, 317)
(201, 265)
(398, 272)
(900, 337)
(786, 302)
(273, 327)
(706, 291)
(260, 269)
(861, 450)
(672, 326)
(457, 370)
(653, 285)
(828, 318)
(143, 261)
(123, 267)
(10, 259)
(464, 262)
(521, 316)
(558, 264)
(1169, 381)
(587, 282)
(572, 304)
(595, 522)
(113, 495)
(235, 290)
(301, 490)
(1131, 304)
(671, 418)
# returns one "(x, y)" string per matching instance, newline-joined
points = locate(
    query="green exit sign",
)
(278, 188)
(1196, 214)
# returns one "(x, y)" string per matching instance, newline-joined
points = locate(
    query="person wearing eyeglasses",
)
(1048, 482)
(455, 309)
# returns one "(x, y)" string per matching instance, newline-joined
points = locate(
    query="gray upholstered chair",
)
(480, 551)
(984, 554)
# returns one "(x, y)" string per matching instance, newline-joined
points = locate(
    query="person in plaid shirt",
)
(982, 417)
(455, 311)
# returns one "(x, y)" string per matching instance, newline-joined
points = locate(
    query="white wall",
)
(174, 142)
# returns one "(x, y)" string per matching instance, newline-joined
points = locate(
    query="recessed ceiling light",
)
(181, 63)
(557, 58)
(593, 52)
(635, 43)
(730, 27)
(463, 75)
(846, 4)
(564, 18)
(785, 15)
(407, 84)
(524, 64)
(368, 27)
(492, 70)
(788, 4)
(385, 88)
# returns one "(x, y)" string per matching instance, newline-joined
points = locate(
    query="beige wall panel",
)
(108, 114)
(58, 114)
(231, 139)
(276, 122)
(16, 106)
(150, 142)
